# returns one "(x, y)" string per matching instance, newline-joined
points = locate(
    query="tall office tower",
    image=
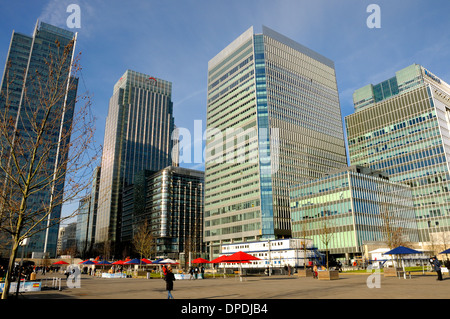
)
(93, 206)
(138, 133)
(83, 216)
(273, 121)
(402, 126)
(87, 216)
(30, 83)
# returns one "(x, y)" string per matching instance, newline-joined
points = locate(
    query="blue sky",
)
(175, 39)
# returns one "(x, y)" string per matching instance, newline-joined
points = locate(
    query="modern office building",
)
(273, 121)
(28, 81)
(84, 215)
(134, 207)
(138, 133)
(95, 186)
(171, 201)
(175, 206)
(68, 240)
(401, 126)
(351, 207)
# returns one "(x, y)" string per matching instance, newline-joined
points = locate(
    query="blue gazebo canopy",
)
(103, 262)
(447, 251)
(401, 250)
(136, 261)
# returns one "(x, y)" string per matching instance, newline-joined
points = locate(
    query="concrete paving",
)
(349, 286)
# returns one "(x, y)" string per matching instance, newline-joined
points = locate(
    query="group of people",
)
(195, 271)
(23, 271)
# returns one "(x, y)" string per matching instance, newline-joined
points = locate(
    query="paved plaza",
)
(349, 286)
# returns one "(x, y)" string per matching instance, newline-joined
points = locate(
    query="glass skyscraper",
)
(138, 136)
(273, 121)
(26, 83)
(402, 126)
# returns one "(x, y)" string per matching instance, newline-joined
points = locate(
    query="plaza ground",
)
(349, 286)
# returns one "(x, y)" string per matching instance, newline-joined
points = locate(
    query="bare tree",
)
(304, 234)
(143, 241)
(393, 233)
(326, 232)
(46, 147)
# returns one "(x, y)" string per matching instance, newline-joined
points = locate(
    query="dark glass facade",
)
(171, 201)
(138, 136)
(25, 82)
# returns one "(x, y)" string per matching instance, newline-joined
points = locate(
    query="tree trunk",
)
(12, 258)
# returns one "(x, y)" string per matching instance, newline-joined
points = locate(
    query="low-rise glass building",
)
(350, 207)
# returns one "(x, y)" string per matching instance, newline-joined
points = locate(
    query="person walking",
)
(437, 267)
(169, 278)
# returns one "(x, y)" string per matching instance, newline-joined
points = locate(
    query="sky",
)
(174, 40)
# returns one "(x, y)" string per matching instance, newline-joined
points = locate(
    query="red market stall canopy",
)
(239, 257)
(200, 261)
(61, 262)
(218, 260)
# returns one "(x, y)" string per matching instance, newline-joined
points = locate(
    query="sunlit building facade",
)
(402, 126)
(273, 121)
(348, 208)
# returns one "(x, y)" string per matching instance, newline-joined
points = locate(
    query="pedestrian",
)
(169, 278)
(203, 272)
(437, 267)
(315, 273)
(196, 272)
